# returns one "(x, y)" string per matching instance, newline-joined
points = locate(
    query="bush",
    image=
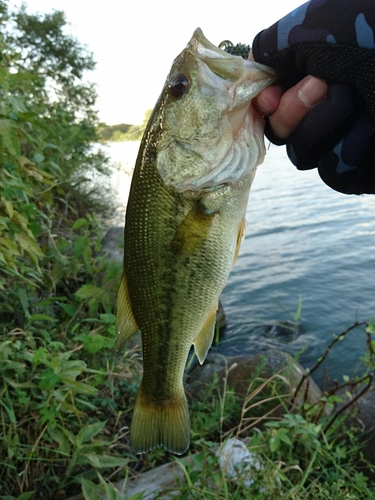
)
(65, 397)
(58, 291)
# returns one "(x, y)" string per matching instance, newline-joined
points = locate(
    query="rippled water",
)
(304, 242)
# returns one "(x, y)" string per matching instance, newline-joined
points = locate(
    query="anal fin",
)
(126, 324)
(204, 340)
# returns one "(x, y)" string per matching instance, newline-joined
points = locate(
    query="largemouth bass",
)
(185, 221)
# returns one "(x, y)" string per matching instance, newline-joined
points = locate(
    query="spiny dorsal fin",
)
(204, 340)
(126, 324)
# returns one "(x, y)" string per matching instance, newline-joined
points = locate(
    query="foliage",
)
(58, 290)
(45, 143)
(65, 396)
(112, 133)
(62, 388)
(46, 50)
(299, 452)
(123, 132)
(305, 452)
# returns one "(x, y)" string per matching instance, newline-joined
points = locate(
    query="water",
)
(305, 242)
(122, 157)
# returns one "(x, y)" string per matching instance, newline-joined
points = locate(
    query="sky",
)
(134, 43)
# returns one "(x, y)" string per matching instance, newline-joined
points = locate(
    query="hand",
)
(330, 125)
(286, 109)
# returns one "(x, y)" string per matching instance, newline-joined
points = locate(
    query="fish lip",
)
(231, 83)
(199, 46)
(262, 67)
(235, 73)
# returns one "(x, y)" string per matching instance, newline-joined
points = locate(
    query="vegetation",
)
(308, 451)
(123, 132)
(65, 397)
(113, 133)
(57, 293)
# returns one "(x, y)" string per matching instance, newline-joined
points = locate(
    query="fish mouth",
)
(239, 78)
(240, 81)
(221, 147)
(228, 67)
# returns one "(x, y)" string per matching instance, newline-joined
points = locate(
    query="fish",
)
(184, 223)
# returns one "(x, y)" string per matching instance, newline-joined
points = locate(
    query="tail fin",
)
(163, 424)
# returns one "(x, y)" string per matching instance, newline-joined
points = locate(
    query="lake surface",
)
(304, 242)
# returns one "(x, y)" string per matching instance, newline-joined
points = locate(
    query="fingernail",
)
(312, 91)
(264, 106)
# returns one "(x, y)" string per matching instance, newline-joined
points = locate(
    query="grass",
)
(309, 452)
(66, 402)
(65, 416)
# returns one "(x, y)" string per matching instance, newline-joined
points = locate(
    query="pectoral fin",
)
(126, 324)
(240, 238)
(204, 340)
(193, 231)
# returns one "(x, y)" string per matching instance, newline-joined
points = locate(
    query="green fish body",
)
(185, 221)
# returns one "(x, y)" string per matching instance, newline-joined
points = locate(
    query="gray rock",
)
(163, 481)
(365, 421)
(238, 370)
(113, 244)
(166, 480)
(248, 340)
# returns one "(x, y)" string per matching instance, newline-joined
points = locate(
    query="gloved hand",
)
(332, 40)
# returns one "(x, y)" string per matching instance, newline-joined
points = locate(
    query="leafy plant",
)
(65, 396)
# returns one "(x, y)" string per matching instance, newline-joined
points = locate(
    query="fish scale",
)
(184, 225)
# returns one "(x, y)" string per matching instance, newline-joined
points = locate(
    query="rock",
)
(365, 420)
(153, 483)
(285, 331)
(236, 461)
(150, 484)
(288, 336)
(113, 244)
(167, 480)
(237, 371)
(366, 412)
(221, 320)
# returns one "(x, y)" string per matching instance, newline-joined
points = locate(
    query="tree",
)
(123, 131)
(47, 127)
(51, 270)
(47, 50)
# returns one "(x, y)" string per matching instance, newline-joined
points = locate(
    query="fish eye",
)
(178, 85)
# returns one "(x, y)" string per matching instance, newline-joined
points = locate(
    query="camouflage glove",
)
(332, 40)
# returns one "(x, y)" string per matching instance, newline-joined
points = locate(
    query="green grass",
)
(66, 402)
(66, 398)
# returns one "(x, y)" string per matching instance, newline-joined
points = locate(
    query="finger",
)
(324, 127)
(295, 103)
(268, 100)
(349, 166)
